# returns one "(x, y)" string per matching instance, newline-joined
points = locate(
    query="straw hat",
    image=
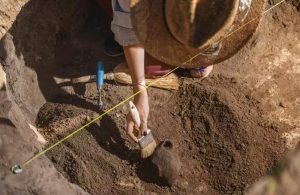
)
(173, 31)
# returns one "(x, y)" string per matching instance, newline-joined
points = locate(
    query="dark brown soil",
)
(216, 127)
(230, 138)
(221, 127)
(295, 3)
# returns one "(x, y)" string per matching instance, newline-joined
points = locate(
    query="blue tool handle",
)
(100, 74)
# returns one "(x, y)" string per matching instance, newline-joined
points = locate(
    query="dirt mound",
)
(232, 142)
(59, 119)
(222, 137)
(218, 133)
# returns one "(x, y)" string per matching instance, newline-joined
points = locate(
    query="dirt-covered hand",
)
(142, 105)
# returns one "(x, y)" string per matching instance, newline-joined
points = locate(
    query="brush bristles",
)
(148, 150)
(121, 75)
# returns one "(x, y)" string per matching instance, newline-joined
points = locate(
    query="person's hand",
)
(142, 105)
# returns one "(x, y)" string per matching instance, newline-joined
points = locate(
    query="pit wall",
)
(28, 36)
(9, 9)
(28, 33)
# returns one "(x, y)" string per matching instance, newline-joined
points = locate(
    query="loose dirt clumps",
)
(231, 140)
(295, 3)
(216, 127)
(59, 119)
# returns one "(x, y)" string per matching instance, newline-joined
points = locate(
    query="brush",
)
(121, 75)
(146, 142)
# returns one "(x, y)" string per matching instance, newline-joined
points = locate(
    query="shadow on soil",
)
(55, 40)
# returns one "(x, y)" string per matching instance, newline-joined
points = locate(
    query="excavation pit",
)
(217, 125)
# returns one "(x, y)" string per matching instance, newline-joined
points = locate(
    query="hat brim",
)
(151, 29)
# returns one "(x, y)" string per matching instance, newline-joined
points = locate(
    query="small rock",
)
(95, 115)
(88, 118)
(281, 104)
(125, 109)
(203, 150)
(233, 80)
(2, 77)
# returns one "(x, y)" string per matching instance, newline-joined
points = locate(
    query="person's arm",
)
(135, 56)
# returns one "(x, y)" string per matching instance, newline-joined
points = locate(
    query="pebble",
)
(233, 80)
(281, 104)
(203, 150)
(95, 115)
(87, 118)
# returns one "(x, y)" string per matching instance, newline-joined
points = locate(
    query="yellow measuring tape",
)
(18, 168)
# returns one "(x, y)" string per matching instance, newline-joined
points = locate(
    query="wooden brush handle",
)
(89, 78)
(134, 114)
(84, 79)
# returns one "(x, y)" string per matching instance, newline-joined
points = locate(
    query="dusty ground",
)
(215, 126)
(229, 130)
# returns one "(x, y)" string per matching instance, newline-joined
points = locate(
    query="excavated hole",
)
(216, 129)
(216, 126)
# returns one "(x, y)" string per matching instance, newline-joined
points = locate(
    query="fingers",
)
(143, 127)
(130, 129)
